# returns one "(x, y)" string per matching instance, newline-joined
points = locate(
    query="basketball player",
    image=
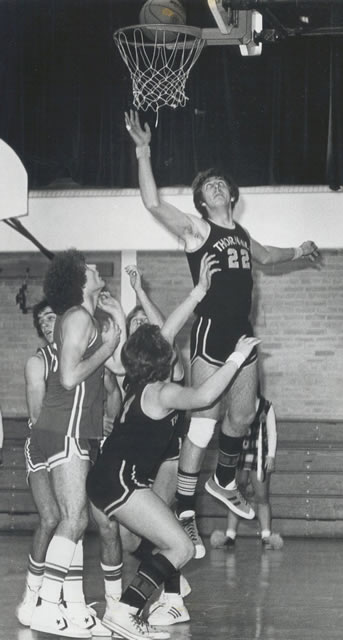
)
(36, 374)
(221, 318)
(71, 414)
(118, 484)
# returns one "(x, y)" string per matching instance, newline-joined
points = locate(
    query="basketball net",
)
(159, 63)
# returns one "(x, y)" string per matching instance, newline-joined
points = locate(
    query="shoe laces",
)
(190, 527)
(141, 625)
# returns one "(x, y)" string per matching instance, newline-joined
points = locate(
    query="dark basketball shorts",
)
(45, 450)
(214, 340)
(110, 486)
(173, 451)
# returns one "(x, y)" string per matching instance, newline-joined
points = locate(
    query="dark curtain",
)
(274, 119)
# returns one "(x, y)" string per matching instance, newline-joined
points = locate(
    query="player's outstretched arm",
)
(180, 315)
(151, 310)
(173, 396)
(187, 227)
(273, 255)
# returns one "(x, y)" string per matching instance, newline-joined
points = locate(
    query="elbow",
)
(67, 382)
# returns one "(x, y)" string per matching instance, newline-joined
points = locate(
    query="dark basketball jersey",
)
(77, 412)
(229, 296)
(137, 438)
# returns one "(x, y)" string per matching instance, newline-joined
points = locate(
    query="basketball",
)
(162, 12)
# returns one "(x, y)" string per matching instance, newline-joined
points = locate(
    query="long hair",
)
(198, 184)
(64, 280)
(146, 355)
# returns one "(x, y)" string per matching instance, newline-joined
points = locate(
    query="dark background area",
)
(270, 120)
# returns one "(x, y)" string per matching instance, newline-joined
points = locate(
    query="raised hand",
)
(110, 334)
(108, 303)
(207, 269)
(245, 345)
(310, 250)
(141, 137)
(135, 276)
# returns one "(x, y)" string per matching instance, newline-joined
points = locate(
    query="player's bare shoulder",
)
(196, 231)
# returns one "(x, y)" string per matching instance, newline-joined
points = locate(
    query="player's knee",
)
(201, 431)
(185, 552)
(50, 520)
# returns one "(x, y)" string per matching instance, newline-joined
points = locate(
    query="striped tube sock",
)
(73, 583)
(35, 573)
(112, 579)
(185, 492)
(57, 562)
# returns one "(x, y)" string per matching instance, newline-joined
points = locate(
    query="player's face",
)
(94, 280)
(216, 192)
(46, 321)
(138, 319)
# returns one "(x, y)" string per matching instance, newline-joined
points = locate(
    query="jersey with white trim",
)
(138, 438)
(76, 412)
(50, 361)
(229, 296)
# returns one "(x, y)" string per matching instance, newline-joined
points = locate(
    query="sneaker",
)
(25, 609)
(125, 623)
(48, 618)
(84, 616)
(169, 612)
(232, 498)
(188, 523)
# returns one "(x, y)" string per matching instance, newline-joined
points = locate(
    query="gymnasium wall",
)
(297, 310)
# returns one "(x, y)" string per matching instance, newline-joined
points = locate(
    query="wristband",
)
(198, 293)
(236, 357)
(143, 152)
(298, 253)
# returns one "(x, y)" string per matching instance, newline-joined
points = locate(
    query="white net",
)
(159, 60)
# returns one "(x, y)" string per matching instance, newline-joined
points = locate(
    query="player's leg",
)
(201, 429)
(148, 516)
(68, 480)
(241, 410)
(48, 512)
(226, 539)
(110, 554)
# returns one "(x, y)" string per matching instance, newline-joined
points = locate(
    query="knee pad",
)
(201, 431)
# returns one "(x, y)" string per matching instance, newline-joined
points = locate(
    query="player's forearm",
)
(151, 311)
(275, 255)
(147, 184)
(73, 374)
(271, 432)
(214, 386)
(180, 315)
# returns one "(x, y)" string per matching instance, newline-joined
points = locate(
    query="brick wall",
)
(297, 312)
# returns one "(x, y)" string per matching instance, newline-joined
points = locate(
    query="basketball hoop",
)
(159, 58)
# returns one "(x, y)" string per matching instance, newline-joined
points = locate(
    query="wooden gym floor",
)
(292, 594)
